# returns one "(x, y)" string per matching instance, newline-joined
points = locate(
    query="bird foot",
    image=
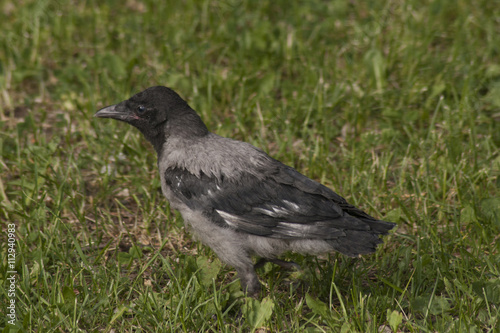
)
(289, 265)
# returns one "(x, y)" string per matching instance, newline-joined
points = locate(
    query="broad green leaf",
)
(433, 305)
(257, 312)
(395, 318)
(488, 290)
(318, 307)
(208, 270)
(68, 295)
(491, 209)
(467, 214)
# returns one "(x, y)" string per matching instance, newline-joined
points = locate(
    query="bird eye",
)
(141, 108)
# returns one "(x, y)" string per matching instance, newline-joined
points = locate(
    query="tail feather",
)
(358, 242)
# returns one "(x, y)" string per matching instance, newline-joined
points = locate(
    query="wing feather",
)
(283, 204)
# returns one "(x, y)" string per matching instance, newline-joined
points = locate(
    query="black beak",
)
(117, 111)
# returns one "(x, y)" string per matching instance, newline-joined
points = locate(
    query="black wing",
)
(282, 204)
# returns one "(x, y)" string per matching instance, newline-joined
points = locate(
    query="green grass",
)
(393, 104)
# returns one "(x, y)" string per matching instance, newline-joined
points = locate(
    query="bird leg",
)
(249, 280)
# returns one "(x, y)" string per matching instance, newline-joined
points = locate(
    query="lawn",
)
(393, 104)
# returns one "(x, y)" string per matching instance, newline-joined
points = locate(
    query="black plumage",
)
(236, 198)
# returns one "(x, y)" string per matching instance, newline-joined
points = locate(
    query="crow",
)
(237, 199)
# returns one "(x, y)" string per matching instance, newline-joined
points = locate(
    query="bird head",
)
(157, 112)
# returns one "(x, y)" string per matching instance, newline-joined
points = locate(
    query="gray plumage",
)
(237, 199)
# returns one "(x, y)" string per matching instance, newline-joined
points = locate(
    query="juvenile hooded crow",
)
(237, 199)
